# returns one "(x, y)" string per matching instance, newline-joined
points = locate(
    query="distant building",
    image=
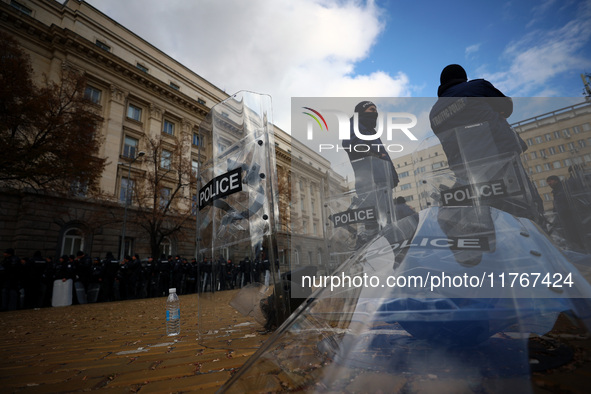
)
(556, 141)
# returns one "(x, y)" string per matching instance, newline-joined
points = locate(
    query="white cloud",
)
(541, 55)
(472, 49)
(281, 48)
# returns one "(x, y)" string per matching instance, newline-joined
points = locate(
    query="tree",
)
(48, 134)
(163, 195)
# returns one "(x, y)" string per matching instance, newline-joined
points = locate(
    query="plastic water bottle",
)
(173, 313)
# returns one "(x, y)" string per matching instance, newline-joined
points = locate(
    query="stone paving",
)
(122, 347)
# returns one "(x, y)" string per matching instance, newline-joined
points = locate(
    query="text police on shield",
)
(220, 186)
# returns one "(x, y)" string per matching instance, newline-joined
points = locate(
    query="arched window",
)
(73, 241)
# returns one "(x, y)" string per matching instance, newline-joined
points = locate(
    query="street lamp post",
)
(122, 251)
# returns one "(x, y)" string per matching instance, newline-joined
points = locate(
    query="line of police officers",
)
(28, 282)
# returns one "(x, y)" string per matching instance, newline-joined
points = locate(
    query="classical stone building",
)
(140, 93)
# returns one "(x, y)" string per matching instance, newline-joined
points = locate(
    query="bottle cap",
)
(172, 290)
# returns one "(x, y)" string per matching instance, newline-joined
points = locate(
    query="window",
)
(221, 147)
(201, 101)
(142, 67)
(556, 165)
(92, 94)
(581, 143)
(556, 135)
(21, 7)
(403, 174)
(542, 182)
(534, 155)
(561, 148)
(195, 167)
(78, 189)
(168, 127)
(547, 197)
(568, 162)
(538, 140)
(166, 247)
(130, 147)
(543, 152)
(166, 159)
(566, 133)
(195, 139)
(73, 241)
(530, 142)
(134, 112)
(571, 146)
(174, 86)
(548, 137)
(304, 227)
(538, 168)
(409, 198)
(437, 165)
(587, 127)
(552, 150)
(547, 167)
(126, 190)
(102, 45)
(128, 247)
(165, 197)
(406, 186)
(576, 129)
(315, 228)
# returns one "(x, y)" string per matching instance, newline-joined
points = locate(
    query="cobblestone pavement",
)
(122, 347)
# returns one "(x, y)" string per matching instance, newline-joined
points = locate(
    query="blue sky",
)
(338, 48)
(488, 38)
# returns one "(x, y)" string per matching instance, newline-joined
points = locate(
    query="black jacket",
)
(372, 148)
(465, 103)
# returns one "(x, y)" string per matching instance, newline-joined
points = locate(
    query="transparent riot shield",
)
(468, 298)
(468, 295)
(355, 216)
(479, 176)
(572, 197)
(238, 216)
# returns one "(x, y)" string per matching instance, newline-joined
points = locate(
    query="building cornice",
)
(70, 42)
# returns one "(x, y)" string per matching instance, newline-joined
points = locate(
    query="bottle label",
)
(174, 315)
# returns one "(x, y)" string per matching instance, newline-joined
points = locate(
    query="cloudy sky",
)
(332, 48)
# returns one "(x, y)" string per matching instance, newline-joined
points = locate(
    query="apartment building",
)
(557, 141)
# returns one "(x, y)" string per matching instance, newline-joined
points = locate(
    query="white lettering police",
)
(466, 194)
(220, 186)
(452, 243)
(353, 216)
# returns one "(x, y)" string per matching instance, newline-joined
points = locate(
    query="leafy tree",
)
(162, 196)
(48, 136)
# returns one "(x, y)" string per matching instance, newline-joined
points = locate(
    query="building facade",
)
(142, 95)
(557, 141)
